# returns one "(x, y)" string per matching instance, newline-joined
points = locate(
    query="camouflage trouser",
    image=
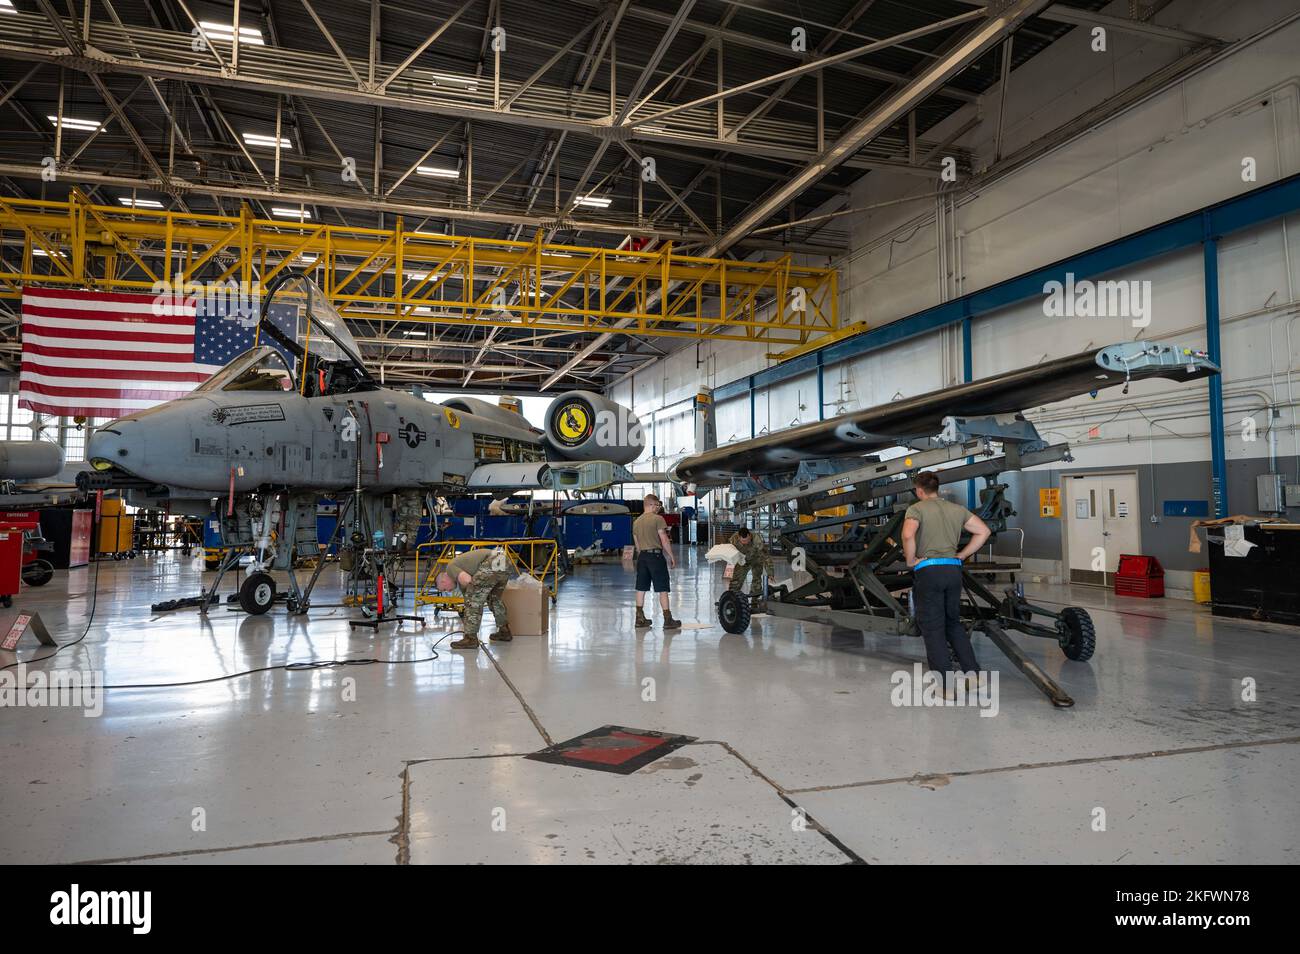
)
(745, 569)
(485, 591)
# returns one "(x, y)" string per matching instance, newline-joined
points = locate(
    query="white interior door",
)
(1102, 522)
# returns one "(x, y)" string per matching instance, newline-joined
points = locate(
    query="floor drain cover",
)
(612, 748)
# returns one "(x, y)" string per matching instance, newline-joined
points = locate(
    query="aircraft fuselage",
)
(214, 442)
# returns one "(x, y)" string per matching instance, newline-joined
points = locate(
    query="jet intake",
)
(585, 426)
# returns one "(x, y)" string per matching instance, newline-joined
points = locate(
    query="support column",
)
(821, 387)
(753, 399)
(967, 375)
(1218, 455)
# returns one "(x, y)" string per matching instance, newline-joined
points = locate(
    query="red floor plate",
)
(612, 748)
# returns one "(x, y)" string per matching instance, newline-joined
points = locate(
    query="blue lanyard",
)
(938, 561)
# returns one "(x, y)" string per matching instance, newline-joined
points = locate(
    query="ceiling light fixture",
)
(225, 33)
(267, 142)
(81, 125)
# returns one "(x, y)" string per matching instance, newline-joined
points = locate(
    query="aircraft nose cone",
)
(116, 444)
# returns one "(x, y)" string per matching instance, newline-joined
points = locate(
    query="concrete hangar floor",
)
(799, 754)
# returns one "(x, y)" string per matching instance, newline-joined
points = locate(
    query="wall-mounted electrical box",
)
(1270, 493)
(1293, 495)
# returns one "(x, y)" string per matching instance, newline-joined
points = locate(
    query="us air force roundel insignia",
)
(413, 436)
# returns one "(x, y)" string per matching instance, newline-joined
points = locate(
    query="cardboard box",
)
(528, 605)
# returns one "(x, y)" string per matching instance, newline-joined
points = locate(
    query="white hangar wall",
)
(1172, 154)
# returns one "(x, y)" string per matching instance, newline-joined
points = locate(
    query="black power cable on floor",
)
(94, 601)
(295, 666)
(287, 667)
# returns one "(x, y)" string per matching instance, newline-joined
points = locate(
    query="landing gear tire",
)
(38, 573)
(1077, 636)
(733, 612)
(257, 593)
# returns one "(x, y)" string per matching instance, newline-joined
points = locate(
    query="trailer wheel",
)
(1077, 636)
(733, 611)
(38, 573)
(257, 593)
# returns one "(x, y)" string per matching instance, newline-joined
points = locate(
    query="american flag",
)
(107, 354)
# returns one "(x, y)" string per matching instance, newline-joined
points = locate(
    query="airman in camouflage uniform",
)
(757, 561)
(479, 576)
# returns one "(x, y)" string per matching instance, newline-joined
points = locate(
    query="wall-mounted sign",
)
(1049, 502)
(1187, 508)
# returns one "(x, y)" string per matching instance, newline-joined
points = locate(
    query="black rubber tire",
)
(212, 565)
(257, 593)
(1078, 637)
(733, 612)
(6, 601)
(38, 573)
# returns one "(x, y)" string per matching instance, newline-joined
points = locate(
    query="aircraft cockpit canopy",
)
(299, 321)
(259, 369)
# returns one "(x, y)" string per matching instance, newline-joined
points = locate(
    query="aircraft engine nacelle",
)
(488, 412)
(583, 426)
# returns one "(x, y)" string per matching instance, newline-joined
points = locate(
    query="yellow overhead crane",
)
(396, 274)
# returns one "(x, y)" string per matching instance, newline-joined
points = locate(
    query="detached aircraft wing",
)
(888, 425)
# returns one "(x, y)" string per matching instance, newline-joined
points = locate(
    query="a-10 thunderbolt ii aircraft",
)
(299, 416)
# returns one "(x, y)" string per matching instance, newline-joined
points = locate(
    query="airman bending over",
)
(757, 562)
(481, 576)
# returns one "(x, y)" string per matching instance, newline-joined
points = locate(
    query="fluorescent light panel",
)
(268, 142)
(83, 125)
(469, 83)
(140, 203)
(225, 33)
(437, 171)
(287, 213)
(594, 201)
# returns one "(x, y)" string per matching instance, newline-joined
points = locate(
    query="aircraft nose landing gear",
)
(257, 593)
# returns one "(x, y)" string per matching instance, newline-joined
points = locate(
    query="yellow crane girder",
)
(416, 276)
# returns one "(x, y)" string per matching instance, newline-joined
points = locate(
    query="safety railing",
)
(538, 557)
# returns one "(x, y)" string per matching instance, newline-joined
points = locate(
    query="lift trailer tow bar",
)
(858, 579)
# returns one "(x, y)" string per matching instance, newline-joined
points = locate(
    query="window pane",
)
(74, 444)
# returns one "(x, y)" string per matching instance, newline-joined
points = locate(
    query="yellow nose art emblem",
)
(573, 422)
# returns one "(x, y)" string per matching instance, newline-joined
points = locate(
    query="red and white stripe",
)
(105, 354)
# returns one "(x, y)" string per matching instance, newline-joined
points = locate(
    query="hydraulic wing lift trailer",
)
(857, 578)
